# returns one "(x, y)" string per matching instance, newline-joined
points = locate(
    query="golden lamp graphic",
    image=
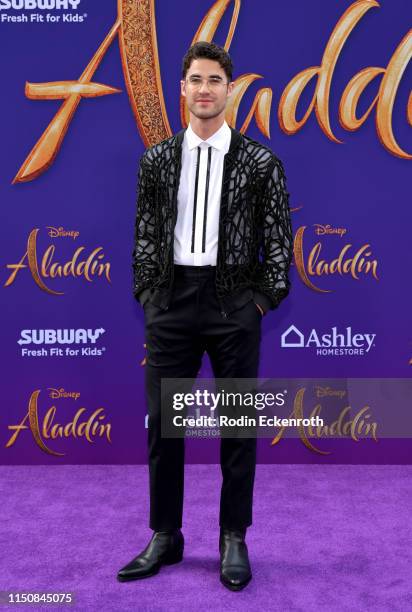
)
(135, 28)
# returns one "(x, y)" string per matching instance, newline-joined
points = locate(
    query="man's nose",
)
(204, 86)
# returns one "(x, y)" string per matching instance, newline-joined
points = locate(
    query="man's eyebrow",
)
(210, 76)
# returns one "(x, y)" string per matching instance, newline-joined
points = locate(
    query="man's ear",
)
(183, 88)
(230, 88)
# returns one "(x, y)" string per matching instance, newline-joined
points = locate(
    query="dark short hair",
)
(207, 50)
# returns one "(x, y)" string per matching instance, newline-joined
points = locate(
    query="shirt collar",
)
(219, 140)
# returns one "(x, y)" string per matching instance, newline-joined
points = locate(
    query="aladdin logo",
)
(142, 75)
(43, 5)
(350, 425)
(80, 264)
(352, 262)
(49, 428)
(333, 343)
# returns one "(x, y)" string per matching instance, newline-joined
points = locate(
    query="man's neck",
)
(205, 128)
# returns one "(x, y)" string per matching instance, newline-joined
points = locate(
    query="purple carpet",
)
(324, 538)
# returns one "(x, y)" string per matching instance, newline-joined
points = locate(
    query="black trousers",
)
(176, 340)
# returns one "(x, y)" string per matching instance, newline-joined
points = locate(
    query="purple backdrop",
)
(358, 187)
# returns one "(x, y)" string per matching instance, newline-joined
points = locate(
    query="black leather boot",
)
(164, 548)
(235, 572)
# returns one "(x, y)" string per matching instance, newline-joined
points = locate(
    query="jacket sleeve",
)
(144, 258)
(277, 239)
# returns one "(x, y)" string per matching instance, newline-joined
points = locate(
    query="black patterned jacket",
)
(255, 235)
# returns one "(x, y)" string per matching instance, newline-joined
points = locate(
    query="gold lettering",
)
(45, 150)
(31, 254)
(351, 95)
(338, 428)
(56, 393)
(34, 426)
(58, 232)
(51, 430)
(141, 68)
(387, 93)
(341, 264)
(297, 413)
(384, 100)
(88, 268)
(324, 73)
(211, 20)
(300, 261)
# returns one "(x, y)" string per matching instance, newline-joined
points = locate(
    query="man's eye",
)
(215, 80)
(195, 80)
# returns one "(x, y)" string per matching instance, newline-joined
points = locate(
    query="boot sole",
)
(172, 561)
(234, 587)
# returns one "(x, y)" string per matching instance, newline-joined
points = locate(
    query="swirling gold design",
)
(140, 60)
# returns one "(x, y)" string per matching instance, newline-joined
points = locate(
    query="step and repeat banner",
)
(86, 86)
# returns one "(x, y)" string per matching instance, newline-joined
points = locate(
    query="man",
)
(213, 246)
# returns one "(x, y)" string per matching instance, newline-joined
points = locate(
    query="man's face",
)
(206, 88)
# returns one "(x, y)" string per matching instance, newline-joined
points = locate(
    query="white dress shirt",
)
(198, 198)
